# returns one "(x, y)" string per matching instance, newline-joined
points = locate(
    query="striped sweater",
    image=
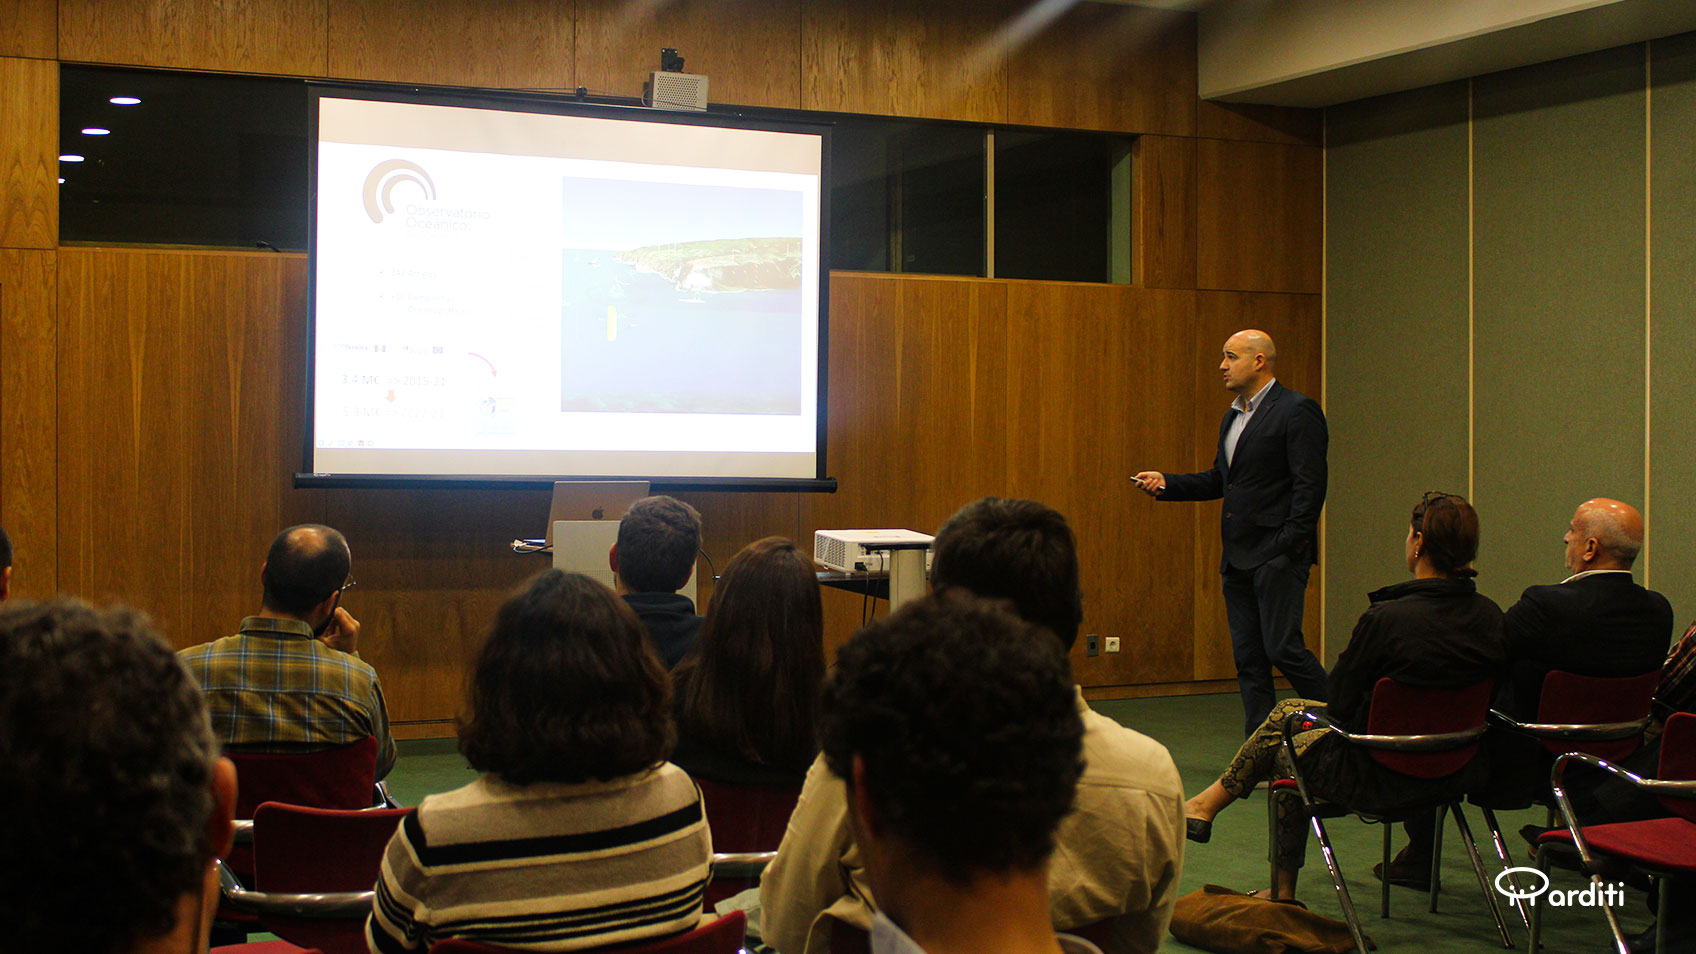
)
(547, 866)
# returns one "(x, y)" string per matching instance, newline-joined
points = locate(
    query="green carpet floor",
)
(1202, 733)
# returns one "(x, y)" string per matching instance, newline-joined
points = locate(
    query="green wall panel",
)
(1559, 326)
(1671, 558)
(1396, 331)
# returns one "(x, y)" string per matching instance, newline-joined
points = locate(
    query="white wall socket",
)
(1112, 644)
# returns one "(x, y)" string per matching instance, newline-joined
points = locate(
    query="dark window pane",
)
(1054, 205)
(907, 196)
(202, 160)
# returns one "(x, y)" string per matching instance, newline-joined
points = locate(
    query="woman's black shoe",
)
(1198, 830)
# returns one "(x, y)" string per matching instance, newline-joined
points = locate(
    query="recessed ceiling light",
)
(70, 157)
(124, 101)
(96, 131)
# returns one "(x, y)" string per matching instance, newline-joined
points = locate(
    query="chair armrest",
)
(1426, 742)
(741, 864)
(334, 905)
(1577, 732)
(380, 797)
(242, 828)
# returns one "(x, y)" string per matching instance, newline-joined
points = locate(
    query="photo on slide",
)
(680, 298)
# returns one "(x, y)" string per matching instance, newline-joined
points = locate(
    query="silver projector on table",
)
(856, 551)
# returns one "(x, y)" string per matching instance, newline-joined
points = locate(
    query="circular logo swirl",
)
(1506, 884)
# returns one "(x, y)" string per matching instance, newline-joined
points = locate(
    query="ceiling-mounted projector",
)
(859, 551)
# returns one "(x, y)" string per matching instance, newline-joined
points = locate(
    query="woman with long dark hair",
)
(747, 704)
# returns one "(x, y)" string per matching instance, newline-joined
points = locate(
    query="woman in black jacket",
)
(1434, 631)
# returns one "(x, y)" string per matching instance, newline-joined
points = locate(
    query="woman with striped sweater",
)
(579, 833)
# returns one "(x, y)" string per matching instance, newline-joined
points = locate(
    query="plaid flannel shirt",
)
(273, 687)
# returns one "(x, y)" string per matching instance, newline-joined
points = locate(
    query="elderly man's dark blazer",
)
(1604, 624)
(1274, 486)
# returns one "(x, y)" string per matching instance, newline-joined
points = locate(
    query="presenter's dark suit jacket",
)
(1274, 487)
(1602, 625)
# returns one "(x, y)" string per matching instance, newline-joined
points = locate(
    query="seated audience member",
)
(291, 679)
(1120, 850)
(954, 728)
(747, 704)
(1435, 630)
(652, 559)
(578, 834)
(1596, 622)
(5, 565)
(115, 798)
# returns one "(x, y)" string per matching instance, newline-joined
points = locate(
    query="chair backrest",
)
(1399, 709)
(720, 936)
(1571, 699)
(1678, 760)
(744, 818)
(338, 777)
(316, 850)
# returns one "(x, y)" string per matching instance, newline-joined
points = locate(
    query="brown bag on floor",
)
(1230, 922)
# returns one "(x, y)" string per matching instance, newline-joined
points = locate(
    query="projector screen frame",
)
(564, 104)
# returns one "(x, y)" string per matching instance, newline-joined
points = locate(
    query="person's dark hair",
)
(566, 689)
(1448, 533)
(107, 758)
(1017, 550)
(657, 542)
(754, 687)
(304, 567)
(969, 730)
(5, 549)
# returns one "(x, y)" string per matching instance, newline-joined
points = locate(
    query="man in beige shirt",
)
(1117, 856)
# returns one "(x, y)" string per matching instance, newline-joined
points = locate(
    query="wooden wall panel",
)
(1294, 322)
(1107, 66)
(29, 28)
(520, 44)
(1164, 211)
(750, 50)
(1090, 370)
(29, 153)
(1256, 123)
(28, 421)
(1259, 219)
(241, 36)
(944, 59)
(178, 438)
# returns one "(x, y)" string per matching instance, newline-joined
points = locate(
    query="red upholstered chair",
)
(1659, 846)
(719, 936)
(1599, 716)
(1417, 732)
(747, 821)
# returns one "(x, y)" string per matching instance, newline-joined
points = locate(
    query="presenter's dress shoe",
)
(1198, 830)
(1405, 872)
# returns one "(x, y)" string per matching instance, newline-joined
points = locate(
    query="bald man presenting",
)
(1270, 468)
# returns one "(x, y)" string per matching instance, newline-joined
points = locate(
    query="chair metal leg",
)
(1384, 882)
(1435, 887)
(1337, 882)
(1537, 909)
(1483, 879)
(1507, 865)
(1662, 909)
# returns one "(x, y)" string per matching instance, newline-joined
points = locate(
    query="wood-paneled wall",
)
(150, 406)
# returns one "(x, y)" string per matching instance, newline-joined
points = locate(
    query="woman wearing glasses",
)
(1434, 631)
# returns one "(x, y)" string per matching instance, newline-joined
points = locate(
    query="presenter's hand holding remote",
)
(343, 632)
(1151, 482)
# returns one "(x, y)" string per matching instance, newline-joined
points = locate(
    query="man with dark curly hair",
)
(115, 798)
(953, 727)
(653, 558)
(1120, 849)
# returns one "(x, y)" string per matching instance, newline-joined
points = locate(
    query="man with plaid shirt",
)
(291, 680)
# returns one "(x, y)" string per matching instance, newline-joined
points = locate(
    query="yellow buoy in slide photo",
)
(612, 323)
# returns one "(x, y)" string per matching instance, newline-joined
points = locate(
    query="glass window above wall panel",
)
(907, 196)
(1062, 206)
(184, 159)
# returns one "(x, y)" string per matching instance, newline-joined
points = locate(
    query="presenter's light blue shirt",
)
(1245, 408)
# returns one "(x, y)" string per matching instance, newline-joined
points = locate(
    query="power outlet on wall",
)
(1092, 644)
(1112, 644)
